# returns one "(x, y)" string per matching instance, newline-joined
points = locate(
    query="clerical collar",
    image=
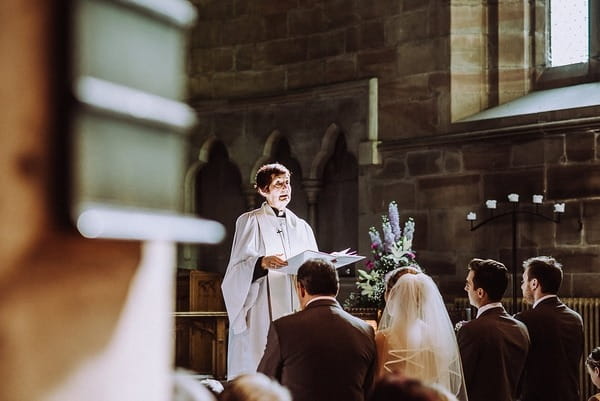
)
(278, 213)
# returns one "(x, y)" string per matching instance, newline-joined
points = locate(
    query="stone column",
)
(312, 187)
(250, 195)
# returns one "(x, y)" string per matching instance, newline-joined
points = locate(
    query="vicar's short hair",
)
(319, 277)
(491, 276)
(547, 271)
(265, 175)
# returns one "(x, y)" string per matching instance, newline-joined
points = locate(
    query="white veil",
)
(419, 336)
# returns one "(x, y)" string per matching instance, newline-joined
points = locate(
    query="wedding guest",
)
(494, 345)
(556, 333)
(255, 293)
(321, 353)
(592, 364)
(415, 336)
(187, 388)
(254, 387)
(398, 387)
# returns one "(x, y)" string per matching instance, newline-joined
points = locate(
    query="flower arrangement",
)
(395, 250)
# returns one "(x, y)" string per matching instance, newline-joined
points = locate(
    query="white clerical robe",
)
(260, 233)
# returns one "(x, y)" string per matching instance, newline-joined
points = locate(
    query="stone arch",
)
(213, 190)
(189, 184)
(268, 153)
(334, 177)
(326, 151)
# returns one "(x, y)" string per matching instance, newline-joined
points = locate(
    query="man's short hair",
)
(491, 276)
(265, 174)
(547, 271)
(319, 277)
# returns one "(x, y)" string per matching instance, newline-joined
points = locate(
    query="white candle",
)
(490, 204)
(513, 197)
(471, 216)
(538, 199)
(559, 208)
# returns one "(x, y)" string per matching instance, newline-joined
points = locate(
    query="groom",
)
(493, 346)
(321, 353)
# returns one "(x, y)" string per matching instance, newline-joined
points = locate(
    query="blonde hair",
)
(254, 387)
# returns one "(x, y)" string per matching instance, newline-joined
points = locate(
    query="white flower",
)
(459, 325)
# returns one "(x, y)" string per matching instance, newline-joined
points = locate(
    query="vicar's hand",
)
(273, 262)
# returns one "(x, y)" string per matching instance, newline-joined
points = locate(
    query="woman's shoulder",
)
(381, 335)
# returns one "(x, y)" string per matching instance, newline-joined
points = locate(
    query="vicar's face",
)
(279, 192)
(526, 288)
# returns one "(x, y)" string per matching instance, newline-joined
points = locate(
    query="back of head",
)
(547, 271)
(398, 387)
(593, 359)
(491, 276)
(319, 277)
(254, 387)
(392, 277)
(406, 299)
(265, 174)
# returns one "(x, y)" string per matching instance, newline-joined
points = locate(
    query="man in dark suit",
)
(321, 353)
(556, 332)
(493, 347)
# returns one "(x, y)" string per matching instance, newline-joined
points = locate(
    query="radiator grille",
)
(588, 308)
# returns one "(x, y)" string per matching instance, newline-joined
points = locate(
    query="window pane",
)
(569, 32)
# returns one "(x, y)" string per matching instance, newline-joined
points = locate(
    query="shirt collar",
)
(278, 213)
(489, 306)
(319, 297)
(543, 298)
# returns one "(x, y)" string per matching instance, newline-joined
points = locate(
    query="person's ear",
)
(301, 289)
(480, 292)
(263, 193)
(597, 371)
(534, 283)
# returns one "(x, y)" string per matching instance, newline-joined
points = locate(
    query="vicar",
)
(255, 292)
(552, 371)
(493, 347)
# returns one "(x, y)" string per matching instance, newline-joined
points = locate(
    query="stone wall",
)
(247, 48)
(438, 184)
(436, 62)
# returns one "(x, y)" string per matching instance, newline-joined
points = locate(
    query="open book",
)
(338, 259)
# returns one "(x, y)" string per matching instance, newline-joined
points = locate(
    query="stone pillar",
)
(250, 195)
(312, 187)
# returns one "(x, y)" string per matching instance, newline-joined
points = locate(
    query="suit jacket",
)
(493, 349)
(321, 353)
(552, 371)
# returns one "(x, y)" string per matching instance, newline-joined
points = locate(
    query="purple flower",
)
(409, 229)
(370, 265)
(394, 220)
(388, 236)
(375, 238)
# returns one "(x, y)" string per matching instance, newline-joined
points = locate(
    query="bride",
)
(415, 336)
